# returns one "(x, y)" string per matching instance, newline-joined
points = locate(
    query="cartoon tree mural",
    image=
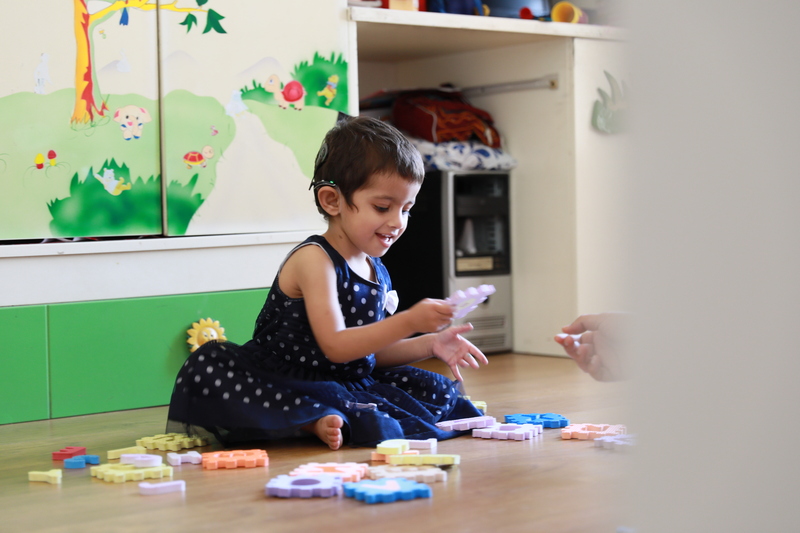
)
(88, 101)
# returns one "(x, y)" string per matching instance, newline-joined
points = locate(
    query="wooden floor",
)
(546, 485)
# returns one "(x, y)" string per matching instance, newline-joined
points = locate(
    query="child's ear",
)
(329, 199)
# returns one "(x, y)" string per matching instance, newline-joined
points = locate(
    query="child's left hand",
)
(455, 350)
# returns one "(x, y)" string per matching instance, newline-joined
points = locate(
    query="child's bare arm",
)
(309, 274)
(447, 345)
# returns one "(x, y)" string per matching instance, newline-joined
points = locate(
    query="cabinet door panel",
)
(124, 354)
(23, 381)
(79, 146)
(247, 100)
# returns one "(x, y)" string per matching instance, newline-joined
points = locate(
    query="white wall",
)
(713, 248)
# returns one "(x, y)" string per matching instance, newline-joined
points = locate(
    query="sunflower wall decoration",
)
(203, 331)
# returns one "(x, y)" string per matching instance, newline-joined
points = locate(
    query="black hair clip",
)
(317, 184)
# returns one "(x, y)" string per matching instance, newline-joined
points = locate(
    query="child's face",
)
(379, 214)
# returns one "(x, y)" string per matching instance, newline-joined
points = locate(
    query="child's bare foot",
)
(328, 429)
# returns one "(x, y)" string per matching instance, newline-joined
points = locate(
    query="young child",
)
(325, 358)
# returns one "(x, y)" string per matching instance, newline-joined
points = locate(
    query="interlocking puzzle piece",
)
(140, 460)
(419, 473)
(384, 457)
(548, 420)
(153, 489)
(428, 445)
(172, 442)
(176, 459)
(432, 459)
(235, 459)
(616, 442)
(480, 406)
(463, 424)
(508, 432)
(393, 447)
(52, 476)
(68, 452)
(468, 300)
(348, 471)
(386, 490)
(320, 486)
(116, 454)
(80, 461)
(591, 431)
(119, 473)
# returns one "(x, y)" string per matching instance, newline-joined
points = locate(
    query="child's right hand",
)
(430, 316)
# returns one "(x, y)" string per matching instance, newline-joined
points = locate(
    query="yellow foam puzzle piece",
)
(52, 476)
(120, 473)
(430, 459)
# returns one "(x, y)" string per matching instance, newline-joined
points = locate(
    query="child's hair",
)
(357, 148)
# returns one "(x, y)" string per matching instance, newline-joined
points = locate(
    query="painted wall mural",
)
(145, 117)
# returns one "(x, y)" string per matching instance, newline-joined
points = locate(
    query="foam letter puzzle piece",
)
(153, 489)
(463, 424)
(320, 486)
(177, 459)
(432, 459)
(348, 471)
(548, 420)
(616, 442)
(508, 432)
(69, 451)
(116, 454)
(52, 476)
(235, 459)
(119, 473)
(418, 473)
(468, 300)
(80, 461)
(393, 447)
(591, 431)
(384, 457)
(386, 490)
(171, 442)
(140, 460)
(425, 446)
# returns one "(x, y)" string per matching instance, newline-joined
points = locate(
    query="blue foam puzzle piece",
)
(548, 420)
(386, 490)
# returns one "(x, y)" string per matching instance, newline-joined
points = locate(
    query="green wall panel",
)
(23, 380)
(125, 354)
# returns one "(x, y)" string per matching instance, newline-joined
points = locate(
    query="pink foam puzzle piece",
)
(468, 300)
(508, 432)
(591, 431)
(347, 471)
(463, 424)
(425, 446)
(153, 489)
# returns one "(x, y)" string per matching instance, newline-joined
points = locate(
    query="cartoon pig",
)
(131, 120)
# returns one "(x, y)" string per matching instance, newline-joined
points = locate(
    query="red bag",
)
(442, 116)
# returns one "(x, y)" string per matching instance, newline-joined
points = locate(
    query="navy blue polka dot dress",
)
(280, 380)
